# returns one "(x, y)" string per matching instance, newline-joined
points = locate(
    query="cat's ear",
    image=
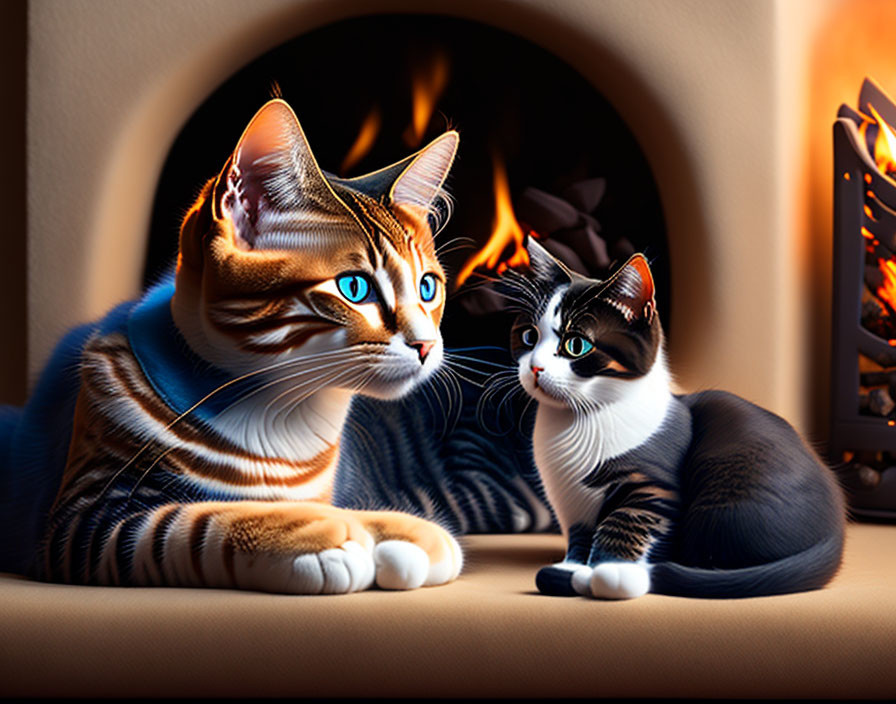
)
(273, 189)
(631, 291)
(419, 185)
(543, 265)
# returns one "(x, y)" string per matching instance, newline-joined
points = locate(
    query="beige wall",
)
(714, 91)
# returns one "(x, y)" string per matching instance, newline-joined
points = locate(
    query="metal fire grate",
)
(863, 385)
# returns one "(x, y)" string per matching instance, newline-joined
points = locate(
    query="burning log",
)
(590, 248)
(565, 225)
(568, 229)
(868, 477)
(880, 403)
(886, 377)
(569, 233)
(586, 195)
(566, 254)
(545, 213)
(877, 319)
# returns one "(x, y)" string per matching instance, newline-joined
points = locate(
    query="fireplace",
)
(538, 144)
(727, 101)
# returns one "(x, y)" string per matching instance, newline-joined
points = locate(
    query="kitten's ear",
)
(631, 291)
(544, 265)
(419, 185)
(275, 191)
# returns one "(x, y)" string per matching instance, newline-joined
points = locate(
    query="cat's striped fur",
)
(206, 432)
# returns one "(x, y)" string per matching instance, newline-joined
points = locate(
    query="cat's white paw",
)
(615, 580)
(401, 564)
(348, 568)
(448, 568)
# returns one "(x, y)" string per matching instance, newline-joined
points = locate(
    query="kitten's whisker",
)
(523, 414)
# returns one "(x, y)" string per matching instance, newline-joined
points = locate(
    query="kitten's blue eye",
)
(529, 337)
(577, 346)
(428, 286)
(356, 288)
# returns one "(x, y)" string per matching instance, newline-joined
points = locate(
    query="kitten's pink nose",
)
(535, 371)
(423, 347)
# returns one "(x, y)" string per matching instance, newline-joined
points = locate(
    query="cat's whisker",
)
(469, 240)
(228, 384)
(168, 450)
(276, 365)
(437, 379)
(444, 379)
(455, 366)
(468, 358)
(443, 250)
(507, 387)
(280, 417)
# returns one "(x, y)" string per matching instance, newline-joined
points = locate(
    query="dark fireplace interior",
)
(575, 172)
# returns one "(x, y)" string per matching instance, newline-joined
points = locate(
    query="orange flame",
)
(884, 155)
(887, 290)
(427, 84)
(363, 143)
(505, 230)
(884, 145)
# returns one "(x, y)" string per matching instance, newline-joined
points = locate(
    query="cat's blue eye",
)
(429, 284)
(356, 288)
(577, 346)
(529, 337)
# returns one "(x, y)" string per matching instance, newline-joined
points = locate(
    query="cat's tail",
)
(804, 571)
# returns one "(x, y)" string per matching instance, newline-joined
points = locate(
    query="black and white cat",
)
(696, 495)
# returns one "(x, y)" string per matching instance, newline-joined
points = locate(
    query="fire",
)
(884, 144)
(427, 84)
(363, 143)
(887, 291)
(506, 231)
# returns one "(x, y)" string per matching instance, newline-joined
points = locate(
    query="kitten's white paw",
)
(400, 565)
(581, 580)
(348, 568)
(618, 580)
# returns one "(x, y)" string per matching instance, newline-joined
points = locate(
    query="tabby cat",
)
(701, 495)
(192, 437)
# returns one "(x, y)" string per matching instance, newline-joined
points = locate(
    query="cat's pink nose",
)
(423, 348)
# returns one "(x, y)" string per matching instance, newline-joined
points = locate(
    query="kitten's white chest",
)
(564, 454)
(569, 445)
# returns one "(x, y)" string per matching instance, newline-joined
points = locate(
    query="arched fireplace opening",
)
(370, 90)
